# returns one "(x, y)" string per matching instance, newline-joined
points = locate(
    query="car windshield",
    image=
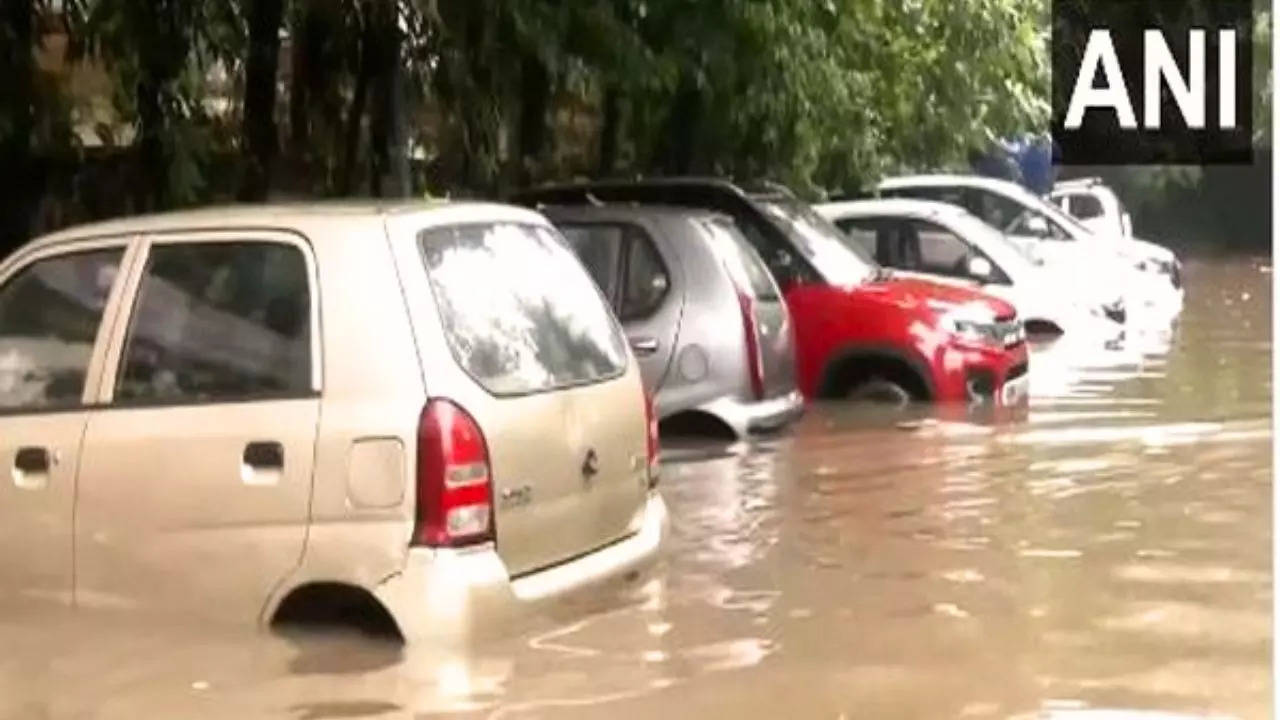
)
(840, 261)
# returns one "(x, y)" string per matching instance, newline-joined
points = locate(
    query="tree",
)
(260, 135)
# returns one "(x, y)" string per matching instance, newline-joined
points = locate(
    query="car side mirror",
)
(980, 268)
(1038, 226)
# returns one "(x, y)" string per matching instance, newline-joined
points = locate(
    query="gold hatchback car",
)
(247, 414)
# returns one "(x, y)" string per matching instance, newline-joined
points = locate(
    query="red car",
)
(861, 333)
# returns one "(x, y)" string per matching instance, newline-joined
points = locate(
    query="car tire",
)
(881, 392)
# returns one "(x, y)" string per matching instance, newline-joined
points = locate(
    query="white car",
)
(945, 242)
(1101, 264)
(1097, 207)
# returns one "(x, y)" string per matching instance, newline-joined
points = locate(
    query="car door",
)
(56, 309)
(631, 271)
(649, 304)
(196, 470)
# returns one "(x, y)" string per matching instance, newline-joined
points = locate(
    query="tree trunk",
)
(359, 99)
(150, 194)
(679, 145)
(300, 70)
(16, 74)
(535, 94)
(260, 133)
(609, 128)
(387, 132)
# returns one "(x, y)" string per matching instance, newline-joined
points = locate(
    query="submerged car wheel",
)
(881, 392)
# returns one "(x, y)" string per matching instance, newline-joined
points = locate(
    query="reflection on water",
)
(1107, 556)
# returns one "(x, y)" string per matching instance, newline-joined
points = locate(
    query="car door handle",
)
(643, 345)
(32, 460)
(264, 455)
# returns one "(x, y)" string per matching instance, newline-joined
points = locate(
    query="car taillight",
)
(651, 440)
(455, 484)
(755, 365)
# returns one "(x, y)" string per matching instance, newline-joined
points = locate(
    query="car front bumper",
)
(972, 375)
(457, 595)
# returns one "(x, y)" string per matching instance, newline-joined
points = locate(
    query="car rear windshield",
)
(520, 313)
(746, 267)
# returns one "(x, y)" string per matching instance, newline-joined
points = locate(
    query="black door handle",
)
(32, 460)
(264, 455)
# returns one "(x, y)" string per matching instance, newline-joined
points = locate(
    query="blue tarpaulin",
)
(1028, 161)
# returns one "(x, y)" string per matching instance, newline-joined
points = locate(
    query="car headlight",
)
(966, 325)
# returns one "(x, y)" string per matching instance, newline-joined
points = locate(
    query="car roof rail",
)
(1080, 181)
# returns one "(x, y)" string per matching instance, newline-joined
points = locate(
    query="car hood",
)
(916, 292)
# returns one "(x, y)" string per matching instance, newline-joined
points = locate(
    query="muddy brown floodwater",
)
(1108, 555)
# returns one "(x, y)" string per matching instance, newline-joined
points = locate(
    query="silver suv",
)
(701, 311)
(267, 413)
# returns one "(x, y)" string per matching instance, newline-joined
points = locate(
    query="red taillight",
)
(755, 365)
(651, 440)
(455, 484)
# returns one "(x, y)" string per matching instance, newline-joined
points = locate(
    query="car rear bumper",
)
(760, 416)
(456, 595)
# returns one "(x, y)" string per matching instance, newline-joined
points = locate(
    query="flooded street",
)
(1110, 552)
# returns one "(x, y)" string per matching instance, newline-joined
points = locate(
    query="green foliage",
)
(823, 95)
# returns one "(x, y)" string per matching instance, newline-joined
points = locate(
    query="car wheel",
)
(881, 392)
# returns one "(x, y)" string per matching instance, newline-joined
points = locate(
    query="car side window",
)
(645, 278)
(219, 322)
(941, 251)
(49, 317)
(864, 231)
(996, 210)
(1085, 206)
(599, 248)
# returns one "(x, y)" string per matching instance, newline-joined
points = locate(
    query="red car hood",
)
(911, 292)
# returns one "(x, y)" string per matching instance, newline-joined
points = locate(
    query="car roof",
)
(577, 192)
(283, 216)
(945, 180)
(626, 211)
(1078, 182)
(890, 206)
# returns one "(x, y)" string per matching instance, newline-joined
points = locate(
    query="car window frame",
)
(114, 357)
(111, 310)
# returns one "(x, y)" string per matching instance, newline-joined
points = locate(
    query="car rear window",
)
(520, 313)
(741, 259)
